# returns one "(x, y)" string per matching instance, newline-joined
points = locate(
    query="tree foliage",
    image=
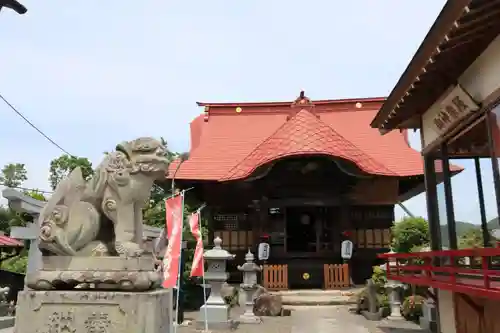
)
(13, 175)
(35, 194)
(63, 165)
(409, 233)
(16, 264)
(473, 238)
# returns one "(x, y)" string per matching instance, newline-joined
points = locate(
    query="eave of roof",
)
(6, 241)
(462, 31)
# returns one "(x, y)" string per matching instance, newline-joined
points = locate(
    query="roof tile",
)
(301, 135)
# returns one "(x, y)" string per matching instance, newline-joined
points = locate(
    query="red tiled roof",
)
(302, 135)
(6, 241)
(230, 145)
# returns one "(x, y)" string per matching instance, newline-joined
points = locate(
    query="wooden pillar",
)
(210, 224)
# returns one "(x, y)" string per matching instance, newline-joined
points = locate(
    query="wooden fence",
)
(336, 276)
(275, 277)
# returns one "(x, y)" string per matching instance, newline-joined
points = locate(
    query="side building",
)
(304, 175)
(451, 92)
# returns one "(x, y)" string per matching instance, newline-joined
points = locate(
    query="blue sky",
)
(93, 73)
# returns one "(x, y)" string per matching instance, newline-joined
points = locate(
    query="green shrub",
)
(383, 303)
(412, 307)
(233, 300)
(379, 278)
(362, 302)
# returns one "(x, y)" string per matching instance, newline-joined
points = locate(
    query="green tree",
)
(473, 238)
(16, 264)
(409, 233)
(13, 175)
(5, 219)
(63, 165)
(35, 194)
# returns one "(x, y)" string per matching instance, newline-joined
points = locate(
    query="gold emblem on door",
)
(306, 276)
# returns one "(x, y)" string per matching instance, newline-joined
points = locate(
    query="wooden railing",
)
(275, 277)
(336, 276)
(471, 271)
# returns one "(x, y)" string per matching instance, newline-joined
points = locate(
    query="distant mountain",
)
(463, 227)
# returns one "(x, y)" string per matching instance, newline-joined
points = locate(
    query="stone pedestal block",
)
(94, 311)
(217, 317)
(91, 273)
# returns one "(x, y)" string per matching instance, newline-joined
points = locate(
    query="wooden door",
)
(275, 277)
(336, 276)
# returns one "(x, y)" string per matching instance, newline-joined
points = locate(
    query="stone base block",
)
(249, 318)
(98, 273)
(217, 315)
(94, 311)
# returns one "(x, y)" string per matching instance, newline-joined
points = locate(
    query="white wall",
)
(446, 311)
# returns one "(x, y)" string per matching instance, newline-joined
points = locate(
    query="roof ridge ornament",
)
(302, 103)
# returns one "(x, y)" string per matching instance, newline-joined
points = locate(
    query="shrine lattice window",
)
(234, 231)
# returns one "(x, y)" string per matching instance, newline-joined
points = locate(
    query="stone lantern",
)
(215, 311)
(249, 286)
(394, 289)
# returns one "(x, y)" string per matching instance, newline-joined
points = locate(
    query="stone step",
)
(314, 292)
(7, 322)
(318, 300)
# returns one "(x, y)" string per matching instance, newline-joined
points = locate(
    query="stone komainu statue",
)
(103, 216)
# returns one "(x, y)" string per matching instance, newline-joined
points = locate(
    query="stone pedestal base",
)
(94, 311)
(217, 315)
(102, 273)
(249, 318)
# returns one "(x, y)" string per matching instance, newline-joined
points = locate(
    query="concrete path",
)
(338, 319)
(326, 319)
(316, 319)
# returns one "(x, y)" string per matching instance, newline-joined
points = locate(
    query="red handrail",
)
(443, 270)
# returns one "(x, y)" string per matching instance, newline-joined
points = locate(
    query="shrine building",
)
(302, 175)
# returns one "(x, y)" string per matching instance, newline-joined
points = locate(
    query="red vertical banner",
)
(174, 209)
(194, 225)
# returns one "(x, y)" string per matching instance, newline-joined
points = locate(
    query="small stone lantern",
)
(249, 286)
(215, 309)
(394, 289)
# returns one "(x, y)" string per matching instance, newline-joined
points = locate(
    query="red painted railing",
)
(469, 271)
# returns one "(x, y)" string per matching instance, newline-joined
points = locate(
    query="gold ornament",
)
(306, 276)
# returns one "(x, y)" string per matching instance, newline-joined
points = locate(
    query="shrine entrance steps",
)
(312, 297)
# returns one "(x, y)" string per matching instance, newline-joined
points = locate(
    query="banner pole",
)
(203, 275)
(179, 273)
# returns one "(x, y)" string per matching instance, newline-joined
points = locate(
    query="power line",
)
(28, 189)
(32, 125)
